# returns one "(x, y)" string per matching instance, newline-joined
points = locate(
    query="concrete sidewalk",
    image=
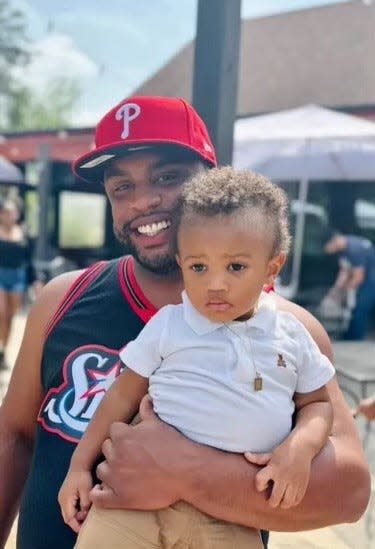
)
(345, 536)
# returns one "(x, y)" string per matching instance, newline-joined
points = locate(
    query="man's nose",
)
(146, 200)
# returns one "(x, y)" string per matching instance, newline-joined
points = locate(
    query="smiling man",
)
(146, 148)
(132, 181)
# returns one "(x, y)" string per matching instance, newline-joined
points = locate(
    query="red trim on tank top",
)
(269, 289)
(132, 291)
(73, 293)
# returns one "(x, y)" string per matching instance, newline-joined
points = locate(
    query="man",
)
(356, 274)
(146, 148)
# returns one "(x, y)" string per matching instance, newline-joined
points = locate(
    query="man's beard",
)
(161, 264)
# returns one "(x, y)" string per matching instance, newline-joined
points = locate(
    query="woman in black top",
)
(14, 265)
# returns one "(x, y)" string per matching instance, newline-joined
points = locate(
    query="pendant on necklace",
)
(258, 382)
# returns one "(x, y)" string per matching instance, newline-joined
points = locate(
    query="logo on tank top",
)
(88, 372)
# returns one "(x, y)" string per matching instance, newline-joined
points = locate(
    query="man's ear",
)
(275, 265)
(177, 257)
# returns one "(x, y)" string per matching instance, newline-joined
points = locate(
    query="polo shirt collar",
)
(263, 319)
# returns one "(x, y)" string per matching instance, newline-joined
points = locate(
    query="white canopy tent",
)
(309, 142)
(9, 173)
(306, 144)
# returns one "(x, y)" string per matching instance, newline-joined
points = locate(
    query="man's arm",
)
(21, 404)
(151, 465)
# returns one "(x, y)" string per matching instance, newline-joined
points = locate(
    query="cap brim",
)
(91, 165)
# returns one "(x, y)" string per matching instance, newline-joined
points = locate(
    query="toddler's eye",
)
(236, 267)
(198, 267)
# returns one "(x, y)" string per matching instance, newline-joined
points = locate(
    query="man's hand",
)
(140, 470)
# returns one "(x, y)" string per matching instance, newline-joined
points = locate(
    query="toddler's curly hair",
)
(227, 191)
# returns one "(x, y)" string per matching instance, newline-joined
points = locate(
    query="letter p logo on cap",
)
(127, 113)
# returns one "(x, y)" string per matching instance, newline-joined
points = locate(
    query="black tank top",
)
(14, 254)
(103, 310)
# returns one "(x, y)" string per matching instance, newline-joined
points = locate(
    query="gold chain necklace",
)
(258, 380)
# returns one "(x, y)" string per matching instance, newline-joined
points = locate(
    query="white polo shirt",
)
(201, 373)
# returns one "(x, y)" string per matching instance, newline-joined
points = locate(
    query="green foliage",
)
(13, 52)
(49, 110)
(13, 43)
(21, 108)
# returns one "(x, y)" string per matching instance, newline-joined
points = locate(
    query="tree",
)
(13, 48)
(49, 110)
(21, 107)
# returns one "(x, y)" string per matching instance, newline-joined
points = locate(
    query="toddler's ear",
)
(275, 265)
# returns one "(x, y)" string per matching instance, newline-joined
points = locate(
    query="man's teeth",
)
(154, 228)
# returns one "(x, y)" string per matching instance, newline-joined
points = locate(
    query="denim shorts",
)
(13, 280)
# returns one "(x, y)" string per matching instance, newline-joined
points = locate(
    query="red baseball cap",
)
(141, 122)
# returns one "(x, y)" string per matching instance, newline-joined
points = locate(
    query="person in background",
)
(146, 149)
(15, 269)
(356, 274)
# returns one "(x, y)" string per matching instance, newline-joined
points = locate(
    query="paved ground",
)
(347, 536)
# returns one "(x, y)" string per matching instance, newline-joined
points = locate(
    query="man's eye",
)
(168, 178)
(236, 267)
(198, 267)
(121, 187)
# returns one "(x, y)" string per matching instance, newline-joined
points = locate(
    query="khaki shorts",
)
(180, 526)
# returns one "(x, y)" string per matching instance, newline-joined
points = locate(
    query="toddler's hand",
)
(74, 498)
(286, 470)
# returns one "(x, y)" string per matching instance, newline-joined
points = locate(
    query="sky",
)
(111, 46)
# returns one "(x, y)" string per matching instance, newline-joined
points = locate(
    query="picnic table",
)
(355, 367)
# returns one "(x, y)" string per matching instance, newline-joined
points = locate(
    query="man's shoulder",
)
(47, 303)
(302, 315)
(54, 291)
(64, 281)
(310, 323)
(60, 285)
